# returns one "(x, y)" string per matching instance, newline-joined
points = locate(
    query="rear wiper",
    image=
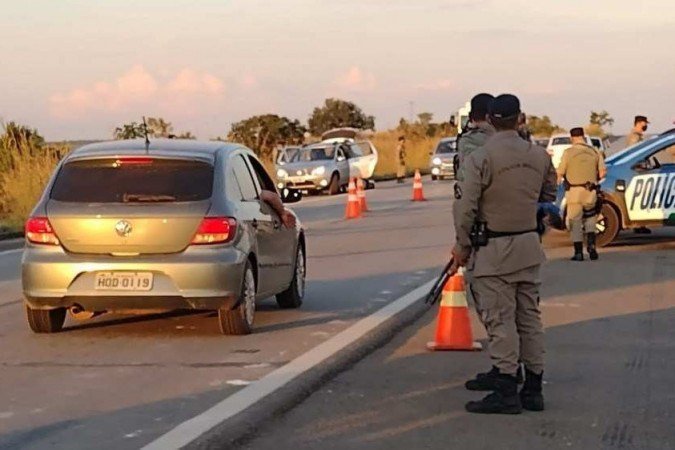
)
(147, 198)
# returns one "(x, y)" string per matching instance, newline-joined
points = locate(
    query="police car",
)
(639, 189)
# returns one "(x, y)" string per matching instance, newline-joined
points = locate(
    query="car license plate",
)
(124, 281)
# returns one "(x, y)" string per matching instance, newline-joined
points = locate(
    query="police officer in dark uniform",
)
(496, 228)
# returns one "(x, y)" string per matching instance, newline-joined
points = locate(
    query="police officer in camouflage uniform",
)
(581, 167)
(637, 133)
(495, 223)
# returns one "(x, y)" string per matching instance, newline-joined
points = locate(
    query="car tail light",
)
(215, 230)
(134, 161)
(40, 231)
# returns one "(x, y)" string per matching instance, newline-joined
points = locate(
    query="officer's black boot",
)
(590, 242)
(486, 381)
(578, 252)
(530, 395)
(504, 400)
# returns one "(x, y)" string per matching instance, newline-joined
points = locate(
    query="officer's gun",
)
(437, 289)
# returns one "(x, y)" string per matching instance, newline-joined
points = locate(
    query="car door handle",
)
(254, 224)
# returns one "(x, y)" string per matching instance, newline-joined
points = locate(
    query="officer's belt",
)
(498, 234)
(588, 185)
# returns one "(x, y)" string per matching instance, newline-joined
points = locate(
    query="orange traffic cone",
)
(353, 203)
(453, 327)
(361, 194)
(418, 193)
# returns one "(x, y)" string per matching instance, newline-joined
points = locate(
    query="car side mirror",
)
(289, 195)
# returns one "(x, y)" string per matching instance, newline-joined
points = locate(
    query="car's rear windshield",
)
(133, 180)
(561, 141)
(446, 147)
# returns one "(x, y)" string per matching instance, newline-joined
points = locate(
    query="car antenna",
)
(145, 132)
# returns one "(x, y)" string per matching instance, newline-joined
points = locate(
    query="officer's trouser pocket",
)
(487, 305)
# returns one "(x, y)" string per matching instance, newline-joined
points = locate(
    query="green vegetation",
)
(597, 122)
(157, 128)
(542, 126)
(27, 164)
(335, 113)
(264, 133)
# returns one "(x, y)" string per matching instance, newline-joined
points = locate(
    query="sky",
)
(76, 69)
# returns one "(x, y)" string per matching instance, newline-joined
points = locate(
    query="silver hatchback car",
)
(178, 224)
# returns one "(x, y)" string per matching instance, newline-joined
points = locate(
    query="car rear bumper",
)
(198, 278)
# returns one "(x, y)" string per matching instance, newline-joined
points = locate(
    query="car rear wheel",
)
(292, 297)
(239, 320)
(46, 320)
(334, 185)
(607, 226)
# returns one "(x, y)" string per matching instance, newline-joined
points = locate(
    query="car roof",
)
(161, 147)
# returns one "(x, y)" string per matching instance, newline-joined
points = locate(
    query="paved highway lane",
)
(609, 377)
(122, 381)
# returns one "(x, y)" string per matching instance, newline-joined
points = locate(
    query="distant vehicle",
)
(317, 167)
(639, 188)
(541, 142)
(329, 164)
(441, 161)
(177, 226)
(365, 156)
(557, 144)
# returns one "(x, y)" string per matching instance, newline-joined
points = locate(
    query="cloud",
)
(436, 85)
(138, 90)
(356, 80)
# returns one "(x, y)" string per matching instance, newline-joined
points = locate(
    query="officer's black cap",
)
(577, 132)
(505, 106)
(480, 103)
(641, 119)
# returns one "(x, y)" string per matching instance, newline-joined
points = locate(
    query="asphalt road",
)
(609, 376)
(120, 382)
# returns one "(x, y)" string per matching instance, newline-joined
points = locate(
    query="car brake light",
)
(40, 231)
(215, 230)
(133, 161)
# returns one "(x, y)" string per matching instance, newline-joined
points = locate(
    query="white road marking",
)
(385, 292)
(321, 334)
(257, 366)
(134, 434)
(192, 429)
(237, 383)
(11, 252)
